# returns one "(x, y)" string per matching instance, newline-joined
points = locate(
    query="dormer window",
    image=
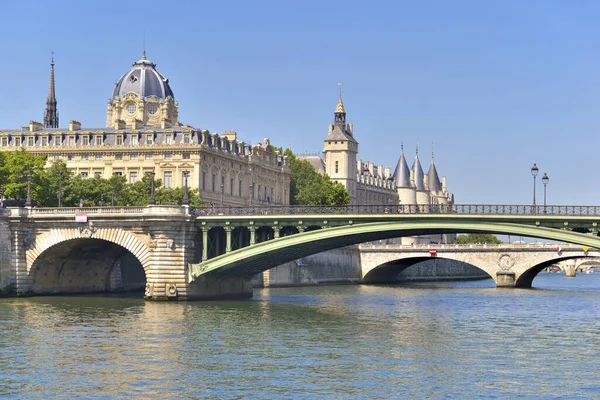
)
(169, 139)
(149, 139)
(30, 141)
(99, 140)
(85, 141)
(152, 109)
(4, 142)
(57, 140)
(186, 138)
(119, 140)
(17, 141)
(44, 141)
(130, 108)
(71, 140)
(134, 140)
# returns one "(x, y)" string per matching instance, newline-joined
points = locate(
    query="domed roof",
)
(143, 80)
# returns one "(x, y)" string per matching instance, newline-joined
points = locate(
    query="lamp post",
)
(222, 190)
(28, 200)
(152, 199)
(60, 174)
(186, 194)
(534, 172)
(545, 181)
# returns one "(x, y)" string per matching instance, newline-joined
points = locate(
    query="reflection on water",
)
(428, 340)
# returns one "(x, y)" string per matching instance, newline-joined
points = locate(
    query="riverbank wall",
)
(5, 259)
(343, 266)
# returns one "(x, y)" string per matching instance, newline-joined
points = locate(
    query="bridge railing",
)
(470, 209)
(87, 210)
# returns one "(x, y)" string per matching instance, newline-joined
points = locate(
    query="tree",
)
(14, 168)
(473, 238)
(308, 187)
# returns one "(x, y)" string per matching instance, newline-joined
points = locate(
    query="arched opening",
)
(525, 280)
(87, 266)
(288, 230)
(240, 237)
(216, 242)
(428, 267)
(264, 233)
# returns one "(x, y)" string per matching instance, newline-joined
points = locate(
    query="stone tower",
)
(51, 113)
(340, 151)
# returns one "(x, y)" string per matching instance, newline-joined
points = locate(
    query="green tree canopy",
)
(310, 188)
(473, 238)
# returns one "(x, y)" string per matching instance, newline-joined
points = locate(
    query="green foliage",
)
(308, 187)
(474, 238)
(96, 191)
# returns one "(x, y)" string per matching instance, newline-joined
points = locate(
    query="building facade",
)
(144, 135)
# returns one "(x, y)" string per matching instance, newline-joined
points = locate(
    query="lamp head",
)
(545, 179)
(534, 170)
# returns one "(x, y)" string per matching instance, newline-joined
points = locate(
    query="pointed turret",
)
(433, 180)
(340, 111)
(418, 173)
(402, 173)
(51, 114)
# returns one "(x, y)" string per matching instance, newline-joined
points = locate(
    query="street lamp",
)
(186, 194)
(152, 199)
(222, 189)
(534, 172)
(28, 200)
(545, 181)
(60, 174)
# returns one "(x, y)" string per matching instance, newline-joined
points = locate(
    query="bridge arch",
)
(389, 270)
(527, 276)
(92, 261)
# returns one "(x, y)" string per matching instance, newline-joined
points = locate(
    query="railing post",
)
(252, 230)
(228, 239)
(204, 243)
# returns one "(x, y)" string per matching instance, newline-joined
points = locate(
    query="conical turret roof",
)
(339, 109)
(418, 174)
(402, 173)
(433, 180)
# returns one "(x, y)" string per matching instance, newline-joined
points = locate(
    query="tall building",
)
(144, 135)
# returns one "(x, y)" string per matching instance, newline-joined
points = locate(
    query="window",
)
(168, 156)
(186, 138)
(118, 173)
(98, 140)
(44, 141)
(17, 141)
(149, 139)
(168, 179)
(70, 158)
(152, 108)
(148, 156)
(4, 141)
(134, 140)
(271, 197)
(98, 174)
(71, 140)
(240, 188)
(30, 141)
(214, 180)
(186, 156)
(131, 108)
(57, 140)
(118, 157)
(133, 156)
(169, 139)
(231, 186)
(56, 158)
(85, 140)
(119, 140)
(203, 180)
(265, 195)
(258, 192)
(336, 167)
(98, 157)
(132, 177)
(84, 175)
(84, 157)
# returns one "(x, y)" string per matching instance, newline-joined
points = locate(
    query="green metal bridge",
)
(240, 242)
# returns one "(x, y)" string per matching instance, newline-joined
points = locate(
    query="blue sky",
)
(494, 85)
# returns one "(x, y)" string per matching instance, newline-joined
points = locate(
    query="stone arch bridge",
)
(172, 252)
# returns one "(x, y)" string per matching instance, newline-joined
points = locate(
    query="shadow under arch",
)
(526, 278)
(389, 271)
(86, 265)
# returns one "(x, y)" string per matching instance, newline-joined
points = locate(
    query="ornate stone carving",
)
(170, 244)
(506, 262)
(149, 241)
(87, 230)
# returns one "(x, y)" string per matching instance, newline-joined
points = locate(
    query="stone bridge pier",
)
(106, 249)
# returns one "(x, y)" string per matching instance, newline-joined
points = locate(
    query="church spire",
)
(340, 111)
(51, 114)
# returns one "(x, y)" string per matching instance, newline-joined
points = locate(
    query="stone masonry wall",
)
(6, 272)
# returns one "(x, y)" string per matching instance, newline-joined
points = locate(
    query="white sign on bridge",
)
(80, 217)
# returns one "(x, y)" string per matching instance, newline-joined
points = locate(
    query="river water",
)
(450, 340)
